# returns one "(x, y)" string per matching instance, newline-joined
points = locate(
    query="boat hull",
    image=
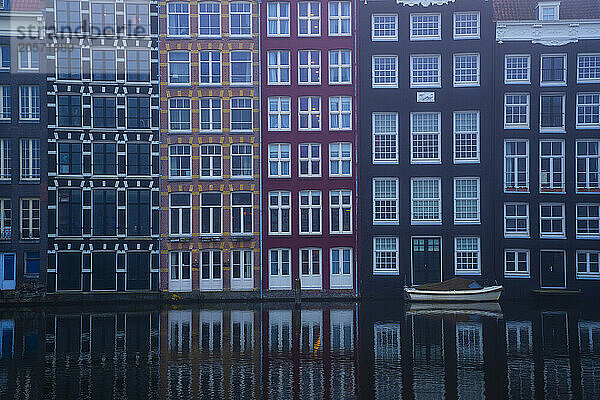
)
(491, 293)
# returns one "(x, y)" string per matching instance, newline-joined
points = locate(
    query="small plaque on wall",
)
(425, 97)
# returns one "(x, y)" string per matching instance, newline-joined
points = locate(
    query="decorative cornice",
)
(548, 33)
(424, 3)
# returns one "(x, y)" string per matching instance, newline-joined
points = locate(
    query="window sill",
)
(516, 276)
(466, 37)
(517, 82)
(562, 237)
(426, 222)
(468, 272)
(517, 236)
(546, 84)
(466, 85)
(384, 86)
(417, 86)
(384, 39)
(553, 130)
(587, 277)
(514, 127)
(588, 237)
(386, 273)
(424, 38)
(587, 127)
(467, 222)
(384, 223)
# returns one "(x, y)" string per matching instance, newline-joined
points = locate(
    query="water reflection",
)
(329, 351)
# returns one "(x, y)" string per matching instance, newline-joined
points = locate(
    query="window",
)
(240, 67)
(340, 67)
(103, 19)
(280, 213)
(588, 68)
(69, 212)
(138, 66)
(425, 137)
(467, 255)
(279, 113)
(516, 166)
(241, 161)
(310, 212)
(69, 110)
(340, 209)
(29, 58)
(385, 255)
(30, 219)
(309, 110)
(241, 115)
(384, 27)
(310, 266)
(466, 137)
(30, 159)
(516, 111)
(105, 112)
(425, 26)
(69, 159)
(178, 19)
(32, 263)
(309, 160)
(241, 267)
(180, 161)
(179, 114)
(552, 166)
(279, 262)
(552, 220)
(466, 201)
(104, 65)
(516, 220)
(554, 69)
(138, 212)
(241, 213)
(339, 18)
(210, 67)
(180, 210)
(278, 19)
(426, 200)
(309, 18)
(5, 57)
(211, 161)
(588, 265)
(516, 263)
(466, 70)
(138, 158)
(138, 112)
(240, 18)
(309, 67)
(179, 67)
(29, 103)
(425, 71)
(340, 261)
(210, 114)
(588, 110)
(340, 113)
(517, 68)
(278, 66)
(5, 159)
(104, 158)
(210, 213)
(552, 113)
(68, 16)
(588, 166)
(588, 220)
(209, 19)
(5, 219)
(138, 19)
(5, 108)
(466, 25)
(104, 215)
(385, 138)
(385, 71)
(385, 201)
(279, 160)
(548, 11)
(340, 159)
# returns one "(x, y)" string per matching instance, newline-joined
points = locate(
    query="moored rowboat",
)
(489, 293)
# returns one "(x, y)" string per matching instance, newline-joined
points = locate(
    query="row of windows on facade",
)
(426, 70)
(467, 257)
(10, 262)
(29, 160)
(101, 19)
(240, 19)
(28, 219)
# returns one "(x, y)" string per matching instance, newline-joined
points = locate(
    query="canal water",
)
(318, 351)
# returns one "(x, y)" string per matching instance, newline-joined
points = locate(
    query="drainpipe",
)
(356, 144)
(260, 186)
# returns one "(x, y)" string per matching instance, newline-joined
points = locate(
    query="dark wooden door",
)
(552, 264)
(426, 260)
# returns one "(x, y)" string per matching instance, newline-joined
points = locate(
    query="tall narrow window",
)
(588, 110)
(279, 113)
(467, 255)
(279, 160)
(309, 113)
(30, 159)
(340, 159)
(180, 161)
(552, 220)
(385, 138)
(211, 164)
(516, 165)
(241, 213)
(5, 103)
(180, 210)
(210, 67)
(309, 67)
(309, 160)
(466, 201)
(240, 67)
(310, 212)
(278, 66)
(278, 19)
(29, 103)
(552, 113)
(138, 19)
(241, 115)
(385, 255)
(516, 220)
(426, 200)
(340, 208)
(587, 153)
(425, 71)
(104, 212)
(554, 69)
(30, 219)
(340, 113)
(425, 137)
(210, 114)
(5, 159)
(385, 72)
(552, 166)
(209, 19)
(241, 161)
(339, 18)
(179, 67)
(588, 220)
(385, 201)
(309, 18)
(178, 19)
(179, 114)
(69, 212)
(240, 18)
(138, 212)
(340, 67)
(280, 213)
(516, 111)
(5, 219)
(211, 213)
(466, 137)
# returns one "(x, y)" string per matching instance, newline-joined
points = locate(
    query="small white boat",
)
(454, 290)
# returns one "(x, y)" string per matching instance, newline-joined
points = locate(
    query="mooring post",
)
(298, 288)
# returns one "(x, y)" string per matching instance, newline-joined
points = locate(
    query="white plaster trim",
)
(548, 33)
(424, 3)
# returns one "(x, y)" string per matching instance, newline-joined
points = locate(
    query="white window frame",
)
(5, 103)
(309, 18)
(336, 116)
(308, 208)
(280, 160)
(457, 256)
(30, 164)
(280, 209)
(552, 188)
(241, 209)
(212, 212)
(393, 256)
(476, 200)
(28, 214)
(527, 106)
(553, 6)
(588, 185)
(338, 20)
(594, 106)
(184, 109)
(339, 66)
(553, 83)
(553, 129)
(550, 235)
(591, 68)
(430, 199)
(457, 69)
(311, 102)
(186, 154)
(241, 103)
(309, 160)
(342, 207)
(341, 280)
(375, 29)
(279, 67)
(514, 160)
(512, 81)
(390, 203)
(413, 26)
(244, 264)
(25, 58)
(588, 219)
(312, 66)
(426, 137)
(516, 217)
(209, 12)
(180, 211)
(5, 159)
(232, 13)
(280, 281)
(29, 103)
(171, 63)
(213, 107)
(466, 136)
(6, 218)
(588, 255)
(212, 79)
(392, 138)
(169, 13)
(279, 19)
(311, 280)
(280, 111)
(212, 160)
(413, 81)
(458, 36)
(338, 155)
(516, 273)
(391, 83)
(246, 82)
(241, 155)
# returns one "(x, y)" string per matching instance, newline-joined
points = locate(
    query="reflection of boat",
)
(489, 309)
(453, 290)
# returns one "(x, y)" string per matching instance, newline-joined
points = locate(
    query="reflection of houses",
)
(519, 359)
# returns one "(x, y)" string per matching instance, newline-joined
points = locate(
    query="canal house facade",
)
(309, 147)
(426, 138)
(23, 168)
(210, 144)
(103, 146)
(547, 145)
